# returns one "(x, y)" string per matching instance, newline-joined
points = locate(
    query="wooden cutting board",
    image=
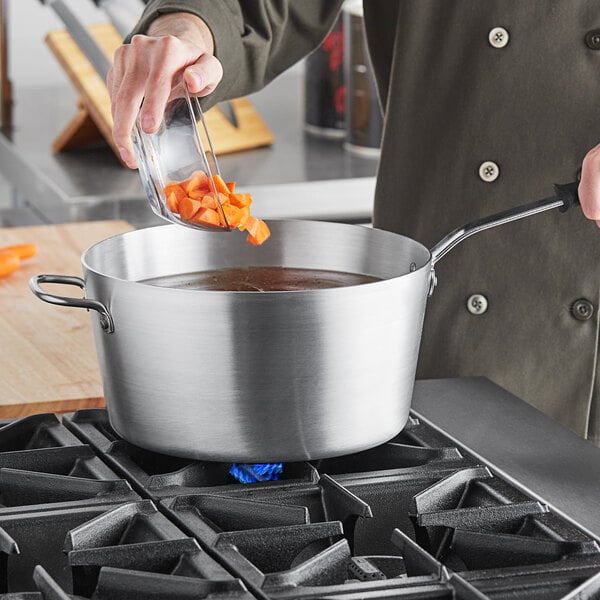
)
(47, 356)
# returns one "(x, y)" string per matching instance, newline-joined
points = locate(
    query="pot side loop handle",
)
(106, 320)
(565, 197)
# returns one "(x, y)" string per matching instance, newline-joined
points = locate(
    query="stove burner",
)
(253, 473)
(84, 514)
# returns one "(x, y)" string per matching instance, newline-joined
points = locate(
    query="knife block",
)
(92, 122)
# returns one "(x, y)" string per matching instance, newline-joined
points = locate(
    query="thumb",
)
(204, 75)
(193, 79)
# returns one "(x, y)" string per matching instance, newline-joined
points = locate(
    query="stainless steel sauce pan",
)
(261, 377)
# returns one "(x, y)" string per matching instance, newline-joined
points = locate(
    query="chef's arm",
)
(589, 187)
(223, 48)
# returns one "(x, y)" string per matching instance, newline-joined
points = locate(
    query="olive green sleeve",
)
(255, 40)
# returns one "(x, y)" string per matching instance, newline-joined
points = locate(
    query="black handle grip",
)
(568, 192)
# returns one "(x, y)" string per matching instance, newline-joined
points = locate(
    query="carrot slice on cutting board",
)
(9, 262)
(22, 250)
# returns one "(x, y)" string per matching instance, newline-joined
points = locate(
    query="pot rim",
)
(426, 266)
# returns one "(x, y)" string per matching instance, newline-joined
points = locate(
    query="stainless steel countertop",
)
(521, 444)
(90, 183)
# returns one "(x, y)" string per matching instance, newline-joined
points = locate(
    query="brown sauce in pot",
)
(261, 279)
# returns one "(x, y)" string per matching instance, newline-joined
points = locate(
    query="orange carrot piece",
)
(195, 199)
(197, 174)
(22, 250)
(198, 180)
(223, 201)
(252, 225)
(223, 198)
(244, 216)
(175, 194)
(175, 188)
(233, 214)
(9, 262)
(188, 208)
(259, 234)
(192, 184)
(173, 202)
(207, 216)
(240, 200)
(220, 185)
(209, 201)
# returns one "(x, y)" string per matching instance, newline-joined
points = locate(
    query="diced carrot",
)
(240, 200)
(9, 262)
(209, 201)
(175, 188)
(252, 225)
(260, 232)
(213, 203)
(188, 208)
(223, 219)
(175, 194)
(220, 184)
(244, 216)
(223, 201)
(192, 185)
(198, 180)
(22, 250)
(207, 216)
(197, 174)
(233, 214)
(173, 202)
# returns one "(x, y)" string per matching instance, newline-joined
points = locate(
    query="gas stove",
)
(85, 514)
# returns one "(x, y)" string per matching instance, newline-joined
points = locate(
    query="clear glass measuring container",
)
(181, 152)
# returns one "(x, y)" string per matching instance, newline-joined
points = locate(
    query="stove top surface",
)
(84, 514)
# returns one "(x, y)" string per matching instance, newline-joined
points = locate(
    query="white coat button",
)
(489, 171)
(477, 304)
(498, 37)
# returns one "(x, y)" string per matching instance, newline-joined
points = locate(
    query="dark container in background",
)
(324, 88)
(364, 121)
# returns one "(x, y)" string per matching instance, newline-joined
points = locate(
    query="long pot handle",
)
(106, 320)
(565, 197)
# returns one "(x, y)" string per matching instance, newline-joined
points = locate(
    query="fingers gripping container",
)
(180, 151)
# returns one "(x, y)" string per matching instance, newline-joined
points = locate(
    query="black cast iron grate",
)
(87, 515)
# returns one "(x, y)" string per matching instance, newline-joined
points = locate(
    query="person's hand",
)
(589, 186)
(150, 70)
